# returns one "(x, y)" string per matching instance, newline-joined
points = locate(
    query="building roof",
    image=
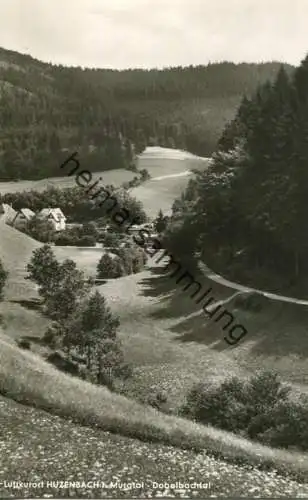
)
(27, 213)
(56, 213)
(7, 212)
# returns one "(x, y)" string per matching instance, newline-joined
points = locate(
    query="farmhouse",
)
(55, 216)
(22, 217)
(7, 213)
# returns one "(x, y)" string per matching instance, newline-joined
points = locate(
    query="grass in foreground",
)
(27, 379)
(37, 447)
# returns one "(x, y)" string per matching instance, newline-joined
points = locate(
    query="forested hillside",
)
(247, 214)
(110, 115)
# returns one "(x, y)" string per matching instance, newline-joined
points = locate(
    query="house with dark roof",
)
(23, 216)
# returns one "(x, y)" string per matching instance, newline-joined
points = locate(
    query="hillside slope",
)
(96, 407)
(15, 252)
(59, 450)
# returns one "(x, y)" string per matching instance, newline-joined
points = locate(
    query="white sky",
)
(155, 33)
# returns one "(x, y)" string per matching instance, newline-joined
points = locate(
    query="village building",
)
(55, 216)
(23, 216)
(7, 213)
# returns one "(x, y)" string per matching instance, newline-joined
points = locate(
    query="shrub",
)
(125, 371)
(284, 425)
(132, 257)
(111, 240)
(132, 167)
(92, 333)
(24, 344)
(40, 229)
(63, 363)
(110, 267)
(43, 269)
(125, 254)
(89, 229)
(157, 399)
(3, 278)
(65, 239)
(220, 406)
(260, 408)
(161, 222)
(87, 241)
(52, 336)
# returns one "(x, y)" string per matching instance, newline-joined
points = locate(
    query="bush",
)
(40, 229)
(63, 363)
(52, 336)
(144, 175)
(24, 344)
(111, 239)
(260, 409)
(86, 241)
(66, 238)
(125, 371)
(110, 267)
(158, 400)
(89, 229)
(132, 257)
(288, 425)
(3, 278)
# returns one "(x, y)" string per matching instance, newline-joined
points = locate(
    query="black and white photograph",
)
(153, 227)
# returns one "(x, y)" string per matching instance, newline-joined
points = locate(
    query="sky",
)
(155, 33)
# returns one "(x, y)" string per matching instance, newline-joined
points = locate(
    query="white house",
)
(55, 216)
(7, 213)
(23, 216)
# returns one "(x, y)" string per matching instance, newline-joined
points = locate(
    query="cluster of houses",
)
(20, 218)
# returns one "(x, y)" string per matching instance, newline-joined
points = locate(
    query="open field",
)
(161, 194)
(169, 170)
(153, 159)
(85, 258)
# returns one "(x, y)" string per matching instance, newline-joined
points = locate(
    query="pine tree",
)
(92, 331)
(43, 269)
(160, 222)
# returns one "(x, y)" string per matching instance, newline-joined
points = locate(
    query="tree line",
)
(74, 204)
(247, 214)
(110, 116)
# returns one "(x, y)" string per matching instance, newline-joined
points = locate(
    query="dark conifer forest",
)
(109, 116)
(247, 214)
